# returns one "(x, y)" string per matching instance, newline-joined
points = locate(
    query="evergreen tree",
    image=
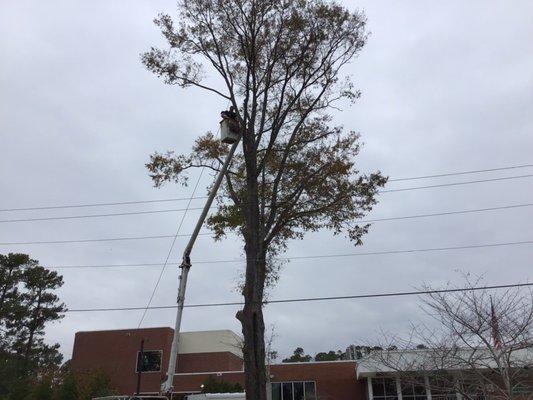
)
(213, 385)
(298, 356)
(329, 356)
(39, 305)
(98, 385)
(68, 389)
(42, 390)
(27, 304)
(11, 272)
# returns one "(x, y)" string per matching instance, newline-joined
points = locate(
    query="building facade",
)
(202, 355)
(218, 354)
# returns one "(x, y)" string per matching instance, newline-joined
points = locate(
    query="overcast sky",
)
(447, 86)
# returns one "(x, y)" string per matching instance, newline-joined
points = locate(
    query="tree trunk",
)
(5, 288)
(253, 329)
(32, 327)
(251, 316)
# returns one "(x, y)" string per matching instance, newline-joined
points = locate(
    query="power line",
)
(318, 256)
(117, 203)
(476, 171)
(97, 215)
(122, 238)
(312, 299)
(512, 206)
(199, 208)
(98, 239)
(456, 183)
(170, 250)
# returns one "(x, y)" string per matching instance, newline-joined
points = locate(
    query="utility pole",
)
(230, 133)
(140, 365)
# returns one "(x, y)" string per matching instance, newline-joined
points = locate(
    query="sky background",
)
(446, 87)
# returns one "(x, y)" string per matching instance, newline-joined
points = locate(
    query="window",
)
(298, 391)
(384, 389)
(151, 361)
(294, 390)
(276, 391)
(414, 389)
(287, 390)
(310, 391)
(442, 388)
(472, 390)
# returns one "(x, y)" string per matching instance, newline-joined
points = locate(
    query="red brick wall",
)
(209, 362)
(334, 380)
(115, 353)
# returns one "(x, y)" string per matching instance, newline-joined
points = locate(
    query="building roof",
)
(390, 361)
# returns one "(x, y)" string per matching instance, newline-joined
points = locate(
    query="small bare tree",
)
(279, 64)
(481, 344)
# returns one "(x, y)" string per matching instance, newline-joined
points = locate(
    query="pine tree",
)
(39, 306)
(68, 389)
(27, 304)
(98, 385)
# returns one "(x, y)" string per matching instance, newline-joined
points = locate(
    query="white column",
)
(369, 386)
(399, 387)
(428, 388)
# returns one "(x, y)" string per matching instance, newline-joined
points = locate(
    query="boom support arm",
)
(167, 385)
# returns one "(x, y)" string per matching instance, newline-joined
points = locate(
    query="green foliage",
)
(298, 356)
(329, 356)
(27, 304)
(42, 390)
(20, 388)
(213, 385)
(281, 76)
(98, 384)
(69, 388)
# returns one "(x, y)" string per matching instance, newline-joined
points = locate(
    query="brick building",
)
(203, 354)
(218, 354)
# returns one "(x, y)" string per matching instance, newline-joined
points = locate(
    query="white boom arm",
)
(167, 386)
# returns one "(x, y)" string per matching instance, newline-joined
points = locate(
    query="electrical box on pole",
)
(230, 132)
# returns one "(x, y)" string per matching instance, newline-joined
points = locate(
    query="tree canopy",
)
(213, 385)
(298, 356)
(27, 304)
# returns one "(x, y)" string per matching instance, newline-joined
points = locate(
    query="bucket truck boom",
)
(230, 133)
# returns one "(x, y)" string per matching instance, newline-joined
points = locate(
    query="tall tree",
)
(42, 389)
(279, 65)
(298, 356)
(11, 272)
(39, 306)
(97, 384)
(329, 356)
(69, 388)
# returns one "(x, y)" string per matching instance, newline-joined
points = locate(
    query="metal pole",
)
(140, 362)
(166, 387)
